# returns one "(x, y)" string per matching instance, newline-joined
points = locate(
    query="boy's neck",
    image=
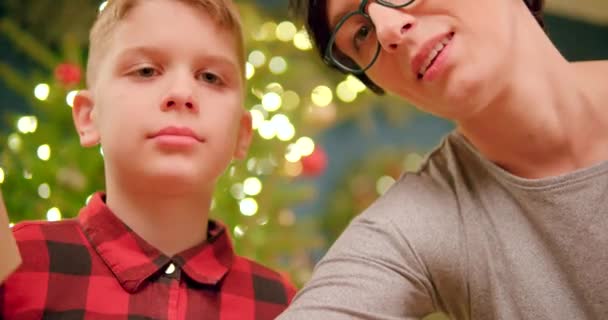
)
(171, 223)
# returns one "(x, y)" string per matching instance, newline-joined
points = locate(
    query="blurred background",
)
(325, 147)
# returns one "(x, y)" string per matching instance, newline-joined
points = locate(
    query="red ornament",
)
(68, 74)
(315, 164)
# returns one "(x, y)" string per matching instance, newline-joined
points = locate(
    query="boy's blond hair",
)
(224, 12)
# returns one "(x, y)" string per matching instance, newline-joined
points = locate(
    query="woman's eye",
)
(360, 36)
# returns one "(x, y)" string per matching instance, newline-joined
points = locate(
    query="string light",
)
(257, 58)
(237, 191)
(305, 145)
(293, 153)
(14, 142)
(285, 31)
(267, 130)
(291, 100)
(27, 175)
(293, 169)
(27, 124)
(321, 96)
(102, 6)
(252, 186)
(41, 91)
(1, 175)
(44, 191)
(248, 206)
(355, 84)
(239, 231)
(249, 70)
(277, 65)
(345, 92)
(271, 101)
(53, 215)
(383, 184)
(44, 152)
(69, 99)
(284, 129)
(257, 118)
(301, 40)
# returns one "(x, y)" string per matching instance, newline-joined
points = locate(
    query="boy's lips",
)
(173, 131)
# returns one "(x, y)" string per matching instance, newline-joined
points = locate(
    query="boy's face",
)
(167, 103)
(474, 38)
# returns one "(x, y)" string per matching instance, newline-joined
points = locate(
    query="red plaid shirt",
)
(94, 267)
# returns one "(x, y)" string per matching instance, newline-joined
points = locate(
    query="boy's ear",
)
(244, 136)
(83, 116)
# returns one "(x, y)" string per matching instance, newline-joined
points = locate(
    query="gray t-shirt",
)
(465, 237)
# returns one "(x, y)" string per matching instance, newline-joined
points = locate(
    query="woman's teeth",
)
(433, 55)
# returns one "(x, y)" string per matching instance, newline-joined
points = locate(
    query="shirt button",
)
(170, 269)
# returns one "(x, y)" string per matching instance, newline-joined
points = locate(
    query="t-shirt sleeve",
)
(371, 272)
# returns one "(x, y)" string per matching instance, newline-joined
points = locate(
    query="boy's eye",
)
(146, 72)
(210, 78)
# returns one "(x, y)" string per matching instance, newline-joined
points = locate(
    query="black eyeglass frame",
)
(329, 54)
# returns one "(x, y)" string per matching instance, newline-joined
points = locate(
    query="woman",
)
(508, 217)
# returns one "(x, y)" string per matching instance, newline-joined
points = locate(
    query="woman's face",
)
(448, 58)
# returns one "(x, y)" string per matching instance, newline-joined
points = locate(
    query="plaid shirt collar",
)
(133, 260)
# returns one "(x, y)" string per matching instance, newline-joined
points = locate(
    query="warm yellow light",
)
(275, 87)
(293, 153)
(14, 142)
(271, 101)
(27, 124)
(277, 65)
(257, 118)
(53, 214)
(306, 146)
(285, 31)
(291, 100)
(257, 58)
(267, 130)
(293, 169)
(44, 191)
(239, 231)
(44, 152)
(252, 186)
(266, 32)
(345, 92)
(383, 184)
(285, 130)
(41, 91)
(249, 207)
(237, 191)
(1, 175)
(355, 84)
(69, 99)
(249, 70)
(102, 6)
(322, 96)
(301, 40)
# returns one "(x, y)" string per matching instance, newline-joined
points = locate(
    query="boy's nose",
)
(392, 25)
(180, 96)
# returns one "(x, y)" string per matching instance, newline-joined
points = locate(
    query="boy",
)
(165, 101)
(508, 218)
